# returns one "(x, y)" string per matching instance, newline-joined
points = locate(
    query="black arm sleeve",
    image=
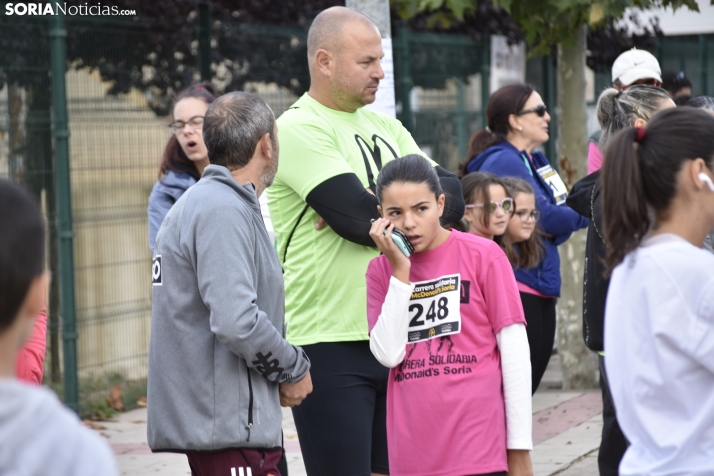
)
(346, 206)
(451, 185)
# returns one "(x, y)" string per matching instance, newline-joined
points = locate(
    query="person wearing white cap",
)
(635, 67)
(631, 67)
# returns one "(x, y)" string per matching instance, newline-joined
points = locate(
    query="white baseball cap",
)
(634, 65)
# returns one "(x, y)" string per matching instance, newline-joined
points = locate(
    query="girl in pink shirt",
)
(448, 322)
(29, 366)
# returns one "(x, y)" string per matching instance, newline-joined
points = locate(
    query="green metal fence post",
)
(703, 65)
(461, 138)
(10, 135)
(406, 78)
(65, 233)
(204, 40)
(485, 77)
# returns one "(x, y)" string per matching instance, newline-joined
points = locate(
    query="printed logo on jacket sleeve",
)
(156, 271)
(266, 366)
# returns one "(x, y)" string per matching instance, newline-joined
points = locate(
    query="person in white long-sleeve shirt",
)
(658, 205)
(448, 322)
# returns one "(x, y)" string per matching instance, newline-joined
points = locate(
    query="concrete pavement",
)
(566, 435)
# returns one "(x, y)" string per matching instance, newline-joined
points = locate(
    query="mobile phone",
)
(400, 239)
(402, 242)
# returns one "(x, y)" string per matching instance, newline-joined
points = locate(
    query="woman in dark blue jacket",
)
(517, 123)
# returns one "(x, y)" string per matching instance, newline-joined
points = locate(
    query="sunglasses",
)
(506, 205)
(539, 109)
(524, 215)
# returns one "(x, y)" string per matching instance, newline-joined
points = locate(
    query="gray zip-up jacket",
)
(217, 352)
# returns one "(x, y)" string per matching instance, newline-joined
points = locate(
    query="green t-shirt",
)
(325, 287)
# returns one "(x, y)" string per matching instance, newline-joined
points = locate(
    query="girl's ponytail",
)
(640, 174)
(626, 218)
(480, 141)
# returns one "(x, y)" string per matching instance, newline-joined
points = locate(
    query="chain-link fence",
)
(440, 90)
(117, 135)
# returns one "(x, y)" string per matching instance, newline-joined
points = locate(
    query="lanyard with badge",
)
(434, 308)
(552, 179)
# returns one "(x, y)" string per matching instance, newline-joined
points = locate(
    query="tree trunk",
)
(579, 364)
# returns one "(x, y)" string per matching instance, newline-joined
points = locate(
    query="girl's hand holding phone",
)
(381, 233)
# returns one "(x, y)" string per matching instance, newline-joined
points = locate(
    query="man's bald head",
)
(327, 28)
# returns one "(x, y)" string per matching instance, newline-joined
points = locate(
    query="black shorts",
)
(342, 424)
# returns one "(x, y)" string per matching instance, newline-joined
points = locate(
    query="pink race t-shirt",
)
(594, 158)
(445, 407)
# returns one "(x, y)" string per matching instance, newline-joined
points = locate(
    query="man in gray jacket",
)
(219, 365)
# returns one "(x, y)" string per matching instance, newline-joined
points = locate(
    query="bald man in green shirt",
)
(332, 150)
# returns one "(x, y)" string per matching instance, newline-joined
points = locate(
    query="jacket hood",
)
(221, 174)
(37, 432)
(180, 180)
(20, 411)
(477, 162)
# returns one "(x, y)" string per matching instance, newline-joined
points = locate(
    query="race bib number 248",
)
(434, 309)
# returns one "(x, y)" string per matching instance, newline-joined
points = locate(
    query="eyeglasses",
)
(196, 122)
(540, 109)
(506, 205)
(524, 215)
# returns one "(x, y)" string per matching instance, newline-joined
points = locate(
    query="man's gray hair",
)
(233, 125)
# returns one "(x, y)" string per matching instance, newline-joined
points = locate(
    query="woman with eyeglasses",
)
(517, 123)
(524, 249)
(185, 154)
(616, 110)
(488, 205)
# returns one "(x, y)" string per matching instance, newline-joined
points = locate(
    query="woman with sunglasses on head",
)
(616, 110)
(488, 205)
(447, 320)
(517, 123)
(185, 154)
(658, 204)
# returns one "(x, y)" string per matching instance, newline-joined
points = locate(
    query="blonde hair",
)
(618, 110)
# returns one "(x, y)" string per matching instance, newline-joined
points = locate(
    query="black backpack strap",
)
(292, 232)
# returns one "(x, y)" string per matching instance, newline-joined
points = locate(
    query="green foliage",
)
(157, 52)
(444, 13)
(550, 22)
(544, 23)
(97, 411)
(93, 392)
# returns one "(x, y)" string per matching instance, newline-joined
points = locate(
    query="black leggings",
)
(613, 443)
(342, 424)
(540, 317)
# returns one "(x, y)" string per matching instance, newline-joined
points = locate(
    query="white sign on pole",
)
(508, 63)
(385, 94)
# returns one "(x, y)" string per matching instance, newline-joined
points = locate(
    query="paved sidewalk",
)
(566, 435)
